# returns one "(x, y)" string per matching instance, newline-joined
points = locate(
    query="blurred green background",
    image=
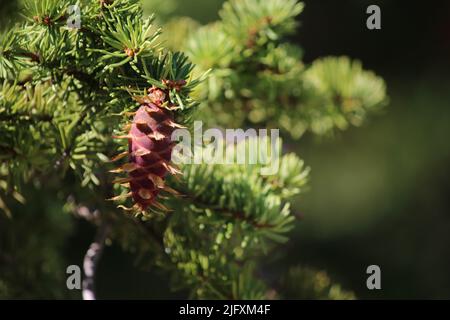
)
(379, 194)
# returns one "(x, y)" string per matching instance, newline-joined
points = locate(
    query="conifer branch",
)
(64, 95)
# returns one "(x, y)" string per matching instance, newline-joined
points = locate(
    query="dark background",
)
(379, 194)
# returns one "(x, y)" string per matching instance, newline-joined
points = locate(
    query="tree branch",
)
(235, 214)
(91, 260)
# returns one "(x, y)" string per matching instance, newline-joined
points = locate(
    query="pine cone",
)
(150, 152)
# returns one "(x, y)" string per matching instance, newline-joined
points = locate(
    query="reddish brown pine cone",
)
(150, 149)
(150, 152)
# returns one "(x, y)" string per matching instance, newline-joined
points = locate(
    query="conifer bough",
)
(65, 93)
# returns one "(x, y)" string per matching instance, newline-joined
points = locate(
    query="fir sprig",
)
(66, 92)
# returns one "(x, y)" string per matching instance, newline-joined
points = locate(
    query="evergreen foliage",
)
(257, 70)
(65, 92)
(306, 283)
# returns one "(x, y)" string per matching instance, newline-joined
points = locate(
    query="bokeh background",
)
(379, 194)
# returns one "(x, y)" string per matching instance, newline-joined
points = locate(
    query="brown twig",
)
(91, 260)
